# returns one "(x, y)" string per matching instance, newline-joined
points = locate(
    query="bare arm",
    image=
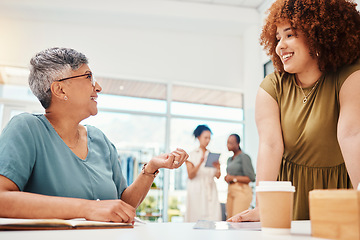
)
(348, 131)
(218, 172)
(137, 191)
(271, 146)
(191, 169)
(240, 179)
(17, 204)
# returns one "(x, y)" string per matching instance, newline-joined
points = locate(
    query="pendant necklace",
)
(306, 96)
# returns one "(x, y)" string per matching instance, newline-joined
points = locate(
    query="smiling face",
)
(81, 92)
(293, 50)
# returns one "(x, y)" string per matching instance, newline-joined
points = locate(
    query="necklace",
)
(306, 96)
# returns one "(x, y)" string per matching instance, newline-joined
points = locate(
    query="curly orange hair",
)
(331, 29)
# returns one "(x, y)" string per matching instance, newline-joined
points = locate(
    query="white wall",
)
(184, 42)
(138, 53)
(253, 75)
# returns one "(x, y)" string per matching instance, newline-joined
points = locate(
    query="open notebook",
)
(57, 224)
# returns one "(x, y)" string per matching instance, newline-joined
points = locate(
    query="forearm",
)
(271, 145)
(192, 171)
(218, 173)
(138, 190)
(268, 163)
(351, 153)
(266, 170)
(16, 204)
(242, 179)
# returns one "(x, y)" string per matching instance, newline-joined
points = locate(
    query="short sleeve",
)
(346, 71)
(194, 157)
(271, 85)
(18, 150)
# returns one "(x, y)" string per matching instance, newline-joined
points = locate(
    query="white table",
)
(159, 231)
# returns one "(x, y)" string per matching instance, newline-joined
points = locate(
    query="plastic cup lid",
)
(275, 186)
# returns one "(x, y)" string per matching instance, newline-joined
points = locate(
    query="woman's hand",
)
(228, 178)
(109, 211)
(168, 160)
(216, 165)
(251, 215)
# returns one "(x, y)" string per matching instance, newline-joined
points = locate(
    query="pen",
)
(136, 219)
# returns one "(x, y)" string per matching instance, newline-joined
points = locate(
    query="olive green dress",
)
(312, 157)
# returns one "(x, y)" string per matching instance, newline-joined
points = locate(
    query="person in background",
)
(240, 173)
(51, 166)
(307, 111)
(202, 201)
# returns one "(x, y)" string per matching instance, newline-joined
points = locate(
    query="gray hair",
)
(50, 65)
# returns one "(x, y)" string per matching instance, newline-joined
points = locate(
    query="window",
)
(142, 121)
(206, 111)
(181, 135)
(125, 103)
(268, 68)
(130, 131)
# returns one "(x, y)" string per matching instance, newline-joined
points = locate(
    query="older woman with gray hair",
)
(53, 167)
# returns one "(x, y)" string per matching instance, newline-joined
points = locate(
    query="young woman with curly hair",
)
(308, 110)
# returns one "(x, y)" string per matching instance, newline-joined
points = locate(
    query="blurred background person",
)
(202, 201)
(240, 173)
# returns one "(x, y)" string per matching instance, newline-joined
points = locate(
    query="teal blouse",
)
(37, 160)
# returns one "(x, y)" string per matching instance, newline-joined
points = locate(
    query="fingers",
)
(251, 215)
(123, 216)
(112, 211)
(127, 212)
(216, 165)
(171, 160)
(179, 157)
(236, 218)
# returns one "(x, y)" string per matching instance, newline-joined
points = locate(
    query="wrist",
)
(150, 168)
(84, 208)
(146, 170)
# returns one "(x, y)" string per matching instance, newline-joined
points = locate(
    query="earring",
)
(65, 98)
(317, 54)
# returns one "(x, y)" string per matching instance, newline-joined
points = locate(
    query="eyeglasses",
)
(88, 75)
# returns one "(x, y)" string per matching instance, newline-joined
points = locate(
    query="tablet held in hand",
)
(212, 157)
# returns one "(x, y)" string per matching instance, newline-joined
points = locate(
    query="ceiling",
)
(233, 3)
(215, 17)
(212, 16)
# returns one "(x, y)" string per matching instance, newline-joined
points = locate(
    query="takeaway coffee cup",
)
(275, 200)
